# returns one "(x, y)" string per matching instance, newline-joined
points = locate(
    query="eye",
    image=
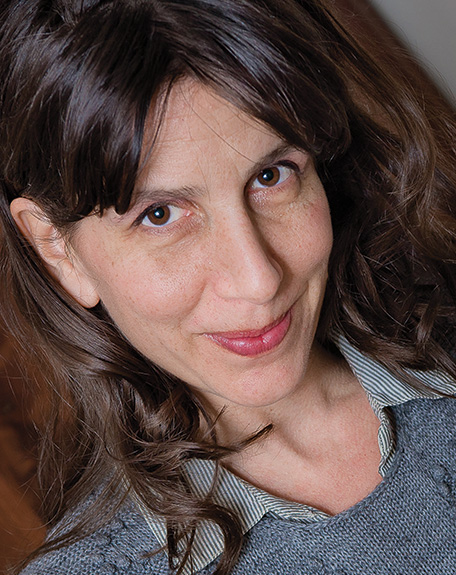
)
(270, 177)
(161, 215)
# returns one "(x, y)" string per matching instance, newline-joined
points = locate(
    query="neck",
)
(328, 382)
(322, 449)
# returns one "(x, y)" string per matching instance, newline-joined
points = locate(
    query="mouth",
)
(254, 342)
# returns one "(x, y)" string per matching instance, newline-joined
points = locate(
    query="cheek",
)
(308, 239)
(319, 232)
(150, 292)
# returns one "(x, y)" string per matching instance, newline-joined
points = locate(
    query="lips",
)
(254, 342)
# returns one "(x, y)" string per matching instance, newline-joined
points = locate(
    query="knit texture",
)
(407, 525)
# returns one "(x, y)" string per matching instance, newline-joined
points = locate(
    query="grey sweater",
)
(406, 526)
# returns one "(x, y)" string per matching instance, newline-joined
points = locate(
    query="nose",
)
(244, 266)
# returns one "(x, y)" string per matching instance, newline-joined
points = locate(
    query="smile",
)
(254, 342)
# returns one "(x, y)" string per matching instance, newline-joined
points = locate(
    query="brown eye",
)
(269, 177)
(159, 215)
(162, 215)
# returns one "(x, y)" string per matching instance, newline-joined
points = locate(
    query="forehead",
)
(201, 131)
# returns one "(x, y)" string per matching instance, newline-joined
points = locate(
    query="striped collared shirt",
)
(250, 503)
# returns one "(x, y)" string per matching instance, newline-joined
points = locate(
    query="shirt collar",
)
(384, 387)
(250, 504)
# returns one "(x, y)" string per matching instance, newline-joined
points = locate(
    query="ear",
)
(55, 252)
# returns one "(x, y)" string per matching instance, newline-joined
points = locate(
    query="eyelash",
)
(164, 207)
(170, 207)
(293, 169)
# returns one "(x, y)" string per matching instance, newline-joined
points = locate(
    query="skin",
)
(236, 257)
(232, 252)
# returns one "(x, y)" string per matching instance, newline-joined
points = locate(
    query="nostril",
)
(247, 272)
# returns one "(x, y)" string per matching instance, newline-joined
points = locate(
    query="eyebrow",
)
(150, 195)
(271, 157)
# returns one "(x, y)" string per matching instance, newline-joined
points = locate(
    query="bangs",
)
(99, 73)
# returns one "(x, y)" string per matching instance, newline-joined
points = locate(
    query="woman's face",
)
(218, 270)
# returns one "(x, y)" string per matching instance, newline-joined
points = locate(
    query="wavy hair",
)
(77, 78)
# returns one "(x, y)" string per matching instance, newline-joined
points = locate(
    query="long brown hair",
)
(77, 78)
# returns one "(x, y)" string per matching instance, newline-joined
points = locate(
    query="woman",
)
(233, 239)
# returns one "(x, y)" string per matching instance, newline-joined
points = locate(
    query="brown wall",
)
(20, 526)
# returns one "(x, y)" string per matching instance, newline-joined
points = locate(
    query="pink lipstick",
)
(254, 342)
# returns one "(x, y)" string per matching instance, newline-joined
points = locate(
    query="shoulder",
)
(428, 424)
(120, 547)
(436, 410)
